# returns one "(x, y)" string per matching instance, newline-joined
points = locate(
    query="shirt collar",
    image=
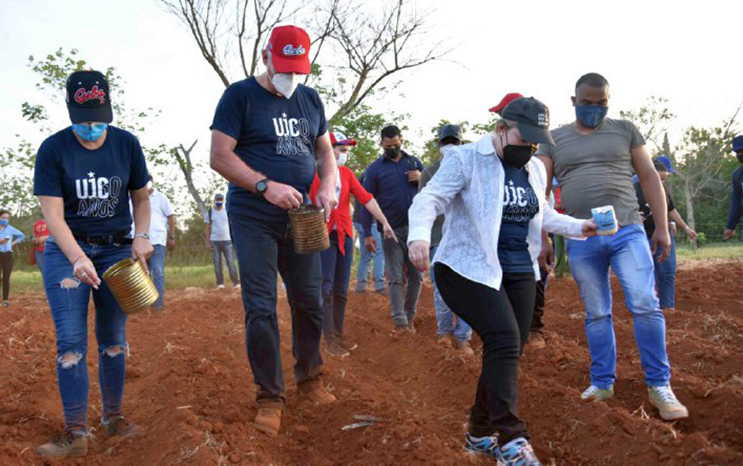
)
(485, 145)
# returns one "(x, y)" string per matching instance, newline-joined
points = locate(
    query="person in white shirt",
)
(218, 239)
(162, 235)
(491, 193)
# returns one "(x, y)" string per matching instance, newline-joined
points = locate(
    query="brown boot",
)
(268, 418)
(314, 390)
(118, 426)
(66, 446)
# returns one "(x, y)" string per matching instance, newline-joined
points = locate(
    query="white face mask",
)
(342, 158)
(286, 83)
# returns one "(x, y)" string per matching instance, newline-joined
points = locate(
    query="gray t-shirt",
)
(595, 170)
(220, 224)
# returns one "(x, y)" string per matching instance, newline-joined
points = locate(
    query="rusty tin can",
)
(309, 229)
(131, 285)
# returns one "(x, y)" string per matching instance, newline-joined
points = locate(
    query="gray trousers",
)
(403, 302)
(219, 249)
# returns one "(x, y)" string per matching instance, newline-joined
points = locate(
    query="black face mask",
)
(740, 156)
(517, 156)
(392, 152)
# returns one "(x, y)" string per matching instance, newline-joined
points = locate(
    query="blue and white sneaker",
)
(518, 452)
(487, 446)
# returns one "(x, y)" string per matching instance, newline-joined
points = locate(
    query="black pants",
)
(537, 322)
(263, 248)
(6, 267)
(502, 319)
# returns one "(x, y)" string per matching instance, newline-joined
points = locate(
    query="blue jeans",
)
(446, 322)
(665, 277)
(628, 254)
(156, 264)
(68, 299)
(366, 257)
(39, 259)
(336, 272)
(264, 247)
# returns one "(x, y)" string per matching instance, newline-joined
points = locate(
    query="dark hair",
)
(3, 212)
(390, 131)
(592, 80)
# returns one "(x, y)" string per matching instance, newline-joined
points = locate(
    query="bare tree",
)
(376, 42)
(183, 157)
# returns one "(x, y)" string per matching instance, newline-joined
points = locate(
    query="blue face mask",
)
(590, 116)
(89, 132)
(4, 222)
(219, 204)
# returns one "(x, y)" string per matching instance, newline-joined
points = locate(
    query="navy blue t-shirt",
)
(520, 205)
(94, 184)
(275, 136)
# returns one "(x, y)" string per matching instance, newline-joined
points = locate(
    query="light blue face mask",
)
(4, 222)
(89, 132)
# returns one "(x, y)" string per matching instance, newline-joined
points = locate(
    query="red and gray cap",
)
(290, 50)
(532, 118)
(88, 97)
(339, 139)
(507, 99)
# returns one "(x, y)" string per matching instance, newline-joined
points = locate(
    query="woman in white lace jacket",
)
(492, 193)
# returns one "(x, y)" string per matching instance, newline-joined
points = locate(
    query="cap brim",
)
(83, 115)
(535, 134)
(299, 65)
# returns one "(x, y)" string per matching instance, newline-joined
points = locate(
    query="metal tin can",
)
(131, 285)
(309, 229)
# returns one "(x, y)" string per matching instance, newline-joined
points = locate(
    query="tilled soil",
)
(190, 389)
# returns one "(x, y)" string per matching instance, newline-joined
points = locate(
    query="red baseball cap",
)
(507, 99)
(290, 50)
(340, 139)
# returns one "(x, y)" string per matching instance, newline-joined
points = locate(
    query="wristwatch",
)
(142, 235)
(262, 186)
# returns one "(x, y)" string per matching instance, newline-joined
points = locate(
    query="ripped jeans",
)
(68, 299)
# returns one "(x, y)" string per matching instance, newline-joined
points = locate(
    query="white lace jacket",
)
(468, 190)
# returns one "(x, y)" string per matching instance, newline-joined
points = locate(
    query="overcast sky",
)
(688, 52)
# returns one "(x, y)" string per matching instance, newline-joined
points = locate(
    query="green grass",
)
(178, 277)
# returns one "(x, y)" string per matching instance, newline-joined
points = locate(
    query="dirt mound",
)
(190, 389)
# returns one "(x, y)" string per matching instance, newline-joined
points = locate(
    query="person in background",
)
(9, 237)
(269, 138)
(337, 259)
(368, 258)
(593, 159)
(665, 272)
(736, 196)
(162, 236)
(449, 327)
(493, 195)
(41, 233)
(393, 181)
(219, 241)
(84, 177)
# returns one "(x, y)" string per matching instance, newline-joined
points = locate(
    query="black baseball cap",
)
(532, 117)
(88, 97)
(450, 132)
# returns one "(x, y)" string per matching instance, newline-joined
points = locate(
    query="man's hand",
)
(142, 250)
(547, 256)
(388, 232)
(661, 240)
(282, 195)
(84, 270)
(691, 233)
(589, 228)
(370, 244)
(414, 176)
(171, 244)
(326, 199)
(419, 252)
(728, 234)
(209, 245)
(4, 240)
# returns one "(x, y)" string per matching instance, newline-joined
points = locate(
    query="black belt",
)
(121, 237)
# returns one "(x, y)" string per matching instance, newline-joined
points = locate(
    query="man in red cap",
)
(268, 136)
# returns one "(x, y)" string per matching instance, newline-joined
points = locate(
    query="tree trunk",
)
(183, 157)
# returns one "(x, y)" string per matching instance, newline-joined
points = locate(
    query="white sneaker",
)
(237, 287)
(668, 405)
(594, 393)
(220, 286)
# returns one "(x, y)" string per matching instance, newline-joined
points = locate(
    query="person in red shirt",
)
(337, 259)
(41, 233)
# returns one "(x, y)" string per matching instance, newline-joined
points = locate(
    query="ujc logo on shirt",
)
(98, 196)
(291, 51)
(293, 135)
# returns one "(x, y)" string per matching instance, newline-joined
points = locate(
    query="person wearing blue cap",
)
(736, 199)
(665, 271)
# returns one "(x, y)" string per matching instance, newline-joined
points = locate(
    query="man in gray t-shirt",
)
(218, 239)
(593, 160)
